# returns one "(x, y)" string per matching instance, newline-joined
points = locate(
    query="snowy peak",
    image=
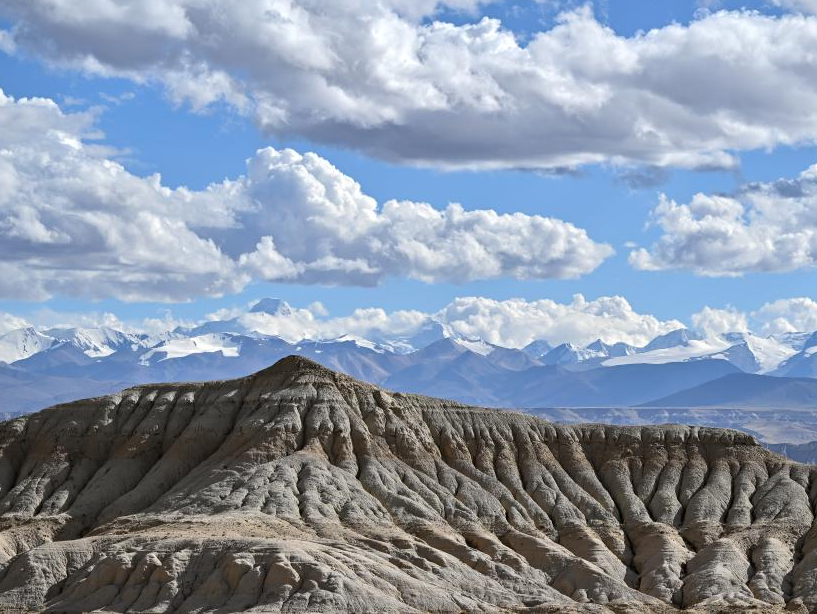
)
(227, 344)
(272, 306)
(427, 334)
(802, 363)
(599, 348)
(567, 354)
(214, 326)
(675, 338)
(98, 342)
(768, 352)
(746, 351)
(740, 355)
(537, 349)
(358, 342)
(796, 341)
(22, 343)
(664, 351)
(443, 348)
(477, 346)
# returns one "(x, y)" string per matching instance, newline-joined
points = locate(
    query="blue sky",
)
(193, 148)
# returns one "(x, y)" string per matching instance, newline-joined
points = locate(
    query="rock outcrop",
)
(301, 490)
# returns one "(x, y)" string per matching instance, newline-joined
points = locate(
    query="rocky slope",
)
(299, 489)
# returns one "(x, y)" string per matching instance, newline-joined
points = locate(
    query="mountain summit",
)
(301, 489)
(272, 306)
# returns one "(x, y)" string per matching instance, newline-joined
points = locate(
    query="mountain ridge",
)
(427, 359)
(745, 390)
(298, 488)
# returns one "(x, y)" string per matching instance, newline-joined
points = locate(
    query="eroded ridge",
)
(299, 489)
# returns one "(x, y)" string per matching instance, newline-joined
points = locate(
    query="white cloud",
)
(517, 322)
(377, 77)
(718, 321)
(162, 324)
(370, 323)
(787, 315)
(74, 222)
(781, 316)
(329, 231)
(509, 323)
(767, 227)
(45, 318)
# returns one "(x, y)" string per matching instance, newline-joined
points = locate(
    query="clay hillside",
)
(301, 490)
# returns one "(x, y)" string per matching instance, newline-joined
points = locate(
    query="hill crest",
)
(301, 489)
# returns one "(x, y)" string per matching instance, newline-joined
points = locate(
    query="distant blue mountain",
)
(745, 391)
(61, 364)
(472, 378)
(619, 386)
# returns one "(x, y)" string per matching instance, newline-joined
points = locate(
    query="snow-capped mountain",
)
(802, 363)
(272, 307)
(424, 336)
(681, 337)
(569, 354)
(593, 354)
(227, 344)
(795, 341)
(354, 340)
(433, 359)
(748, 352)
(613, 350)
(98, 342)
(768, 352)
(22, 343)
(266, 306)
(677, 346)
(537, 349)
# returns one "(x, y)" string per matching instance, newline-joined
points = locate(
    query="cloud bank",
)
(516, 322)
(388, 79)
(509, 323)
(75, 222)
(766, 227)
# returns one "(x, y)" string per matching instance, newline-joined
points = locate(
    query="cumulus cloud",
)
(45, 318)
(509, 323)
(75, 222)
(517, 322)
(370, 323)
(787, 315)
(766, 227)
(718, 321)
(389, 79)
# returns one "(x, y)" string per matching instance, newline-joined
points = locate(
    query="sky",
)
(167, 160)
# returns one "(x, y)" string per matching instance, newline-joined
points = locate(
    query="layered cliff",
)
(299, 489)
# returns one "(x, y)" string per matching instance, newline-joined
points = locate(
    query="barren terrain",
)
(298, 489)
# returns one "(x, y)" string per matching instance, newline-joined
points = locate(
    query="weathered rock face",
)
(298, 489)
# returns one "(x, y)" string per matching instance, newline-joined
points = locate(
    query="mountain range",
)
(682, 368)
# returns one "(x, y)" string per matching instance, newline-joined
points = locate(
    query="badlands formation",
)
(301, 490)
